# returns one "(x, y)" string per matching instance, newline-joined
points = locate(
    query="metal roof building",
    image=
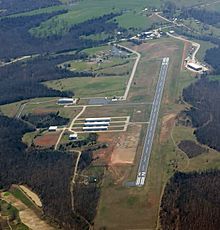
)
(98, 119)
(67, 101)
(52, 128)
(101, 123)
(95, 128)
(73, 136)
(194, 66)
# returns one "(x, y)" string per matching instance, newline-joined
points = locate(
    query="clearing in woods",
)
(47, 140)
(33, 196)
(27, 215)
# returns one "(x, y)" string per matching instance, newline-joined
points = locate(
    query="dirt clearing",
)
(167, 124)
(125, 149)
(28, 216)
(47, 140)
(33, 196)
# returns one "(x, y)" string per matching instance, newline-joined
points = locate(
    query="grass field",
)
(88, 9)
(39, 11)
(138, 21)
(20, 195)
(91, 87)
(189, 3)
(10, 212)
(214, 77)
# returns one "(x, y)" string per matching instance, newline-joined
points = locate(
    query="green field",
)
(39, 11)
(20, 195)
(91, 87)
(87, 9)
(189, 3)
(12, 214)
(138, 21)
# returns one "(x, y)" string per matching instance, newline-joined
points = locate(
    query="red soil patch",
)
(47, 140)
(111, 140)
(125, 149)
(167, 124)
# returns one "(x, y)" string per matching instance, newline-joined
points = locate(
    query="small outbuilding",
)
(73, 137)
(67, 101)
(52, 129)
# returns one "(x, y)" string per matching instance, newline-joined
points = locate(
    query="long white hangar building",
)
(96, 124)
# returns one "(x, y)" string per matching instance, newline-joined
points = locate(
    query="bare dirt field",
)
(111, 140)
(47, 140)
(125, 149)
(167, 124)
(28, 216)
(33, 196)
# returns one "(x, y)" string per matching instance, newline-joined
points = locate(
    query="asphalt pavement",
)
(145, 157)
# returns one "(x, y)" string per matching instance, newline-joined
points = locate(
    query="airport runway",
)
(145, 157)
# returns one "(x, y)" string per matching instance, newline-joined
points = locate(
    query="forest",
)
(212, 57)
(203, 15)
(22, 80)
(30, 41)
(46, 172)
(204, 97)
(191, 201)
(45, 120)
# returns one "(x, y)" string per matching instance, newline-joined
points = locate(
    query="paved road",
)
(145, 157)
(197, 45)
(132, 72)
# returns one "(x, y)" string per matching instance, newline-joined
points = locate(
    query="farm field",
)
(28, 217)
(110, 67)
(89, 9)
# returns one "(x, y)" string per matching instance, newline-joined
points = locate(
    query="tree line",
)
(45, 120)
(204, 97)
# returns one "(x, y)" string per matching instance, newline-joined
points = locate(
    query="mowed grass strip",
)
(91, 87)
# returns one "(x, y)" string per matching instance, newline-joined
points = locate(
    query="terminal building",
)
(67, 101)
(194, 66)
